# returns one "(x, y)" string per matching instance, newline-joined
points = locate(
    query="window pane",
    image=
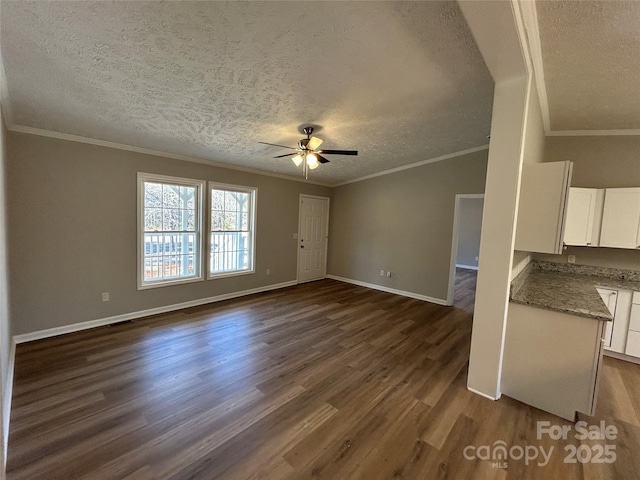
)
(152, 219)
(153, 268)
(168, 210)
(230, 201)
(152, 244)
(231, 221)
(170, 196)
(230, 231)
(217, 200)
(191, 220)
(152, 194)
(175, 219)
(217, 220)
(243, 202)
(188, 195)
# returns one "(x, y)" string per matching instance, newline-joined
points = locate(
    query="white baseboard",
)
(6, 404)
(622, 356)
(477, 392)
(467, 267)
(404, 293)
(76, 327)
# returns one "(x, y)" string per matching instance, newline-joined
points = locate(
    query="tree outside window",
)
(232, 219)
(171, 233)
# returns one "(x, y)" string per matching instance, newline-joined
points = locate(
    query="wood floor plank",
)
(320, 380)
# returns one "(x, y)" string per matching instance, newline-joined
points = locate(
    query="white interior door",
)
(312, 238)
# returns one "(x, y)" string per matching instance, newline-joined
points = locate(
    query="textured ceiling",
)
(591, 60)
(399, 81)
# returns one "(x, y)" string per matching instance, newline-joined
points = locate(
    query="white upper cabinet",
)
(543, 200)
(621, 218)
(584, 214)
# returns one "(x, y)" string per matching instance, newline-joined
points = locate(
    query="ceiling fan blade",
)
(286, 155)
(314, 142)
(276, 145)
(321, 159)
(339, 152)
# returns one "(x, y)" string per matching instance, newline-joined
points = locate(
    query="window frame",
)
(199, 185)
(252, 221)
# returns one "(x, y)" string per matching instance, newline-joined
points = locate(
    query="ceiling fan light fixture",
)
(297, 160)
(307, 154)
(312, 161)
(314, 143)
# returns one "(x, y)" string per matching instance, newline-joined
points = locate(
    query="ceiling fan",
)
(307, 152)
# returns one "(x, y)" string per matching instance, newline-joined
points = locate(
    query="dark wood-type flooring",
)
(324, 380)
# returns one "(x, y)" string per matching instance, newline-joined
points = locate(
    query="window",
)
(169, 230)
(232, 230)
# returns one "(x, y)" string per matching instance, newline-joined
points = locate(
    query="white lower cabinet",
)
(633, 338)
(622, 335)
(633, 344)
(552, 360)
(610, 299)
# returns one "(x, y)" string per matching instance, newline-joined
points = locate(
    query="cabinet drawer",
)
(634, 319)
(636, 297)
(633, 344)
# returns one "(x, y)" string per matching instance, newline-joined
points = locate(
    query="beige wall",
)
(72, 231)
(534, 140)
(598, 162)
(5, 331)
(534, 151)
(470, 221)
(402, 222)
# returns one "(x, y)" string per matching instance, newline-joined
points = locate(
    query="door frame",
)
(454, 242)
(326, 243)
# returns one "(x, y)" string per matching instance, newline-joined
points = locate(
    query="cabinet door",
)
(633, 344)
(621, 218)
(551, 360)
(610, 299)
(543, 201)
(581, 211)
(634, 319)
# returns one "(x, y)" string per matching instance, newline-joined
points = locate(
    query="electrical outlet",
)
(382, 273)
(571, 259)
(476, 259)
(268, 271)
(295, 236)
(105, 296)
(388, 274)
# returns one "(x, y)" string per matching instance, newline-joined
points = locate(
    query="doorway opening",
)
(465, 250)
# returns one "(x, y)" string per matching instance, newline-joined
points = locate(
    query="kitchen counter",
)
(568, 289)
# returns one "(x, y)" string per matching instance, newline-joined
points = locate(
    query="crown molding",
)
(530, 21)
(415, 165)
(147, 151)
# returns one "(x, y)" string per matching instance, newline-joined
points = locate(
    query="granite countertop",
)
(567, 291)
